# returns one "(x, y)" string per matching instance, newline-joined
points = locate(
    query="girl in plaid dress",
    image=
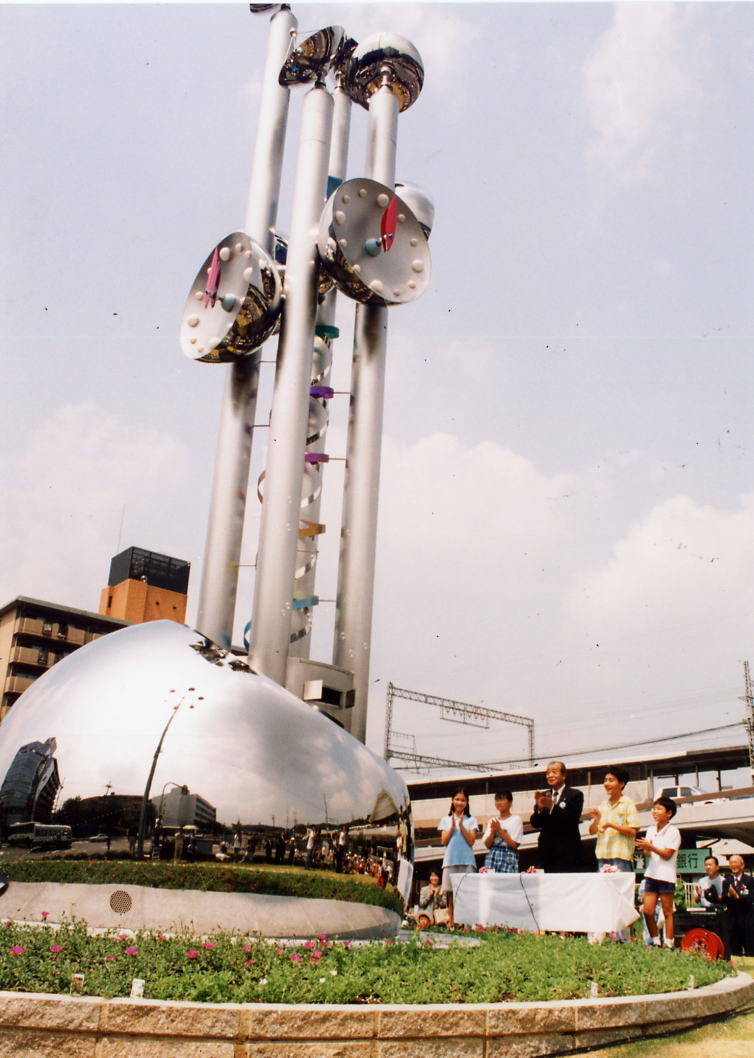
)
(502, 836)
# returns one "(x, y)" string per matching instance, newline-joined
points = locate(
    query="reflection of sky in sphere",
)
(251, 749)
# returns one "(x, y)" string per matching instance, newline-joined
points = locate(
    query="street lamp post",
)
(148, 787)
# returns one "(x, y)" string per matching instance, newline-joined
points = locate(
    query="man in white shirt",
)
(709, 889)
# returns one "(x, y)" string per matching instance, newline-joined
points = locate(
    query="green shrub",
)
(220, 877)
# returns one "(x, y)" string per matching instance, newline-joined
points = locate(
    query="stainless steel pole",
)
(309, 545)
(222, 549)
(353, 625)
(278, 535)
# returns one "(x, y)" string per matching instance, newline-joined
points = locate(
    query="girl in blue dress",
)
(457, 834)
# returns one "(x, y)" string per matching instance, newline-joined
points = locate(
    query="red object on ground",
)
(704, 942)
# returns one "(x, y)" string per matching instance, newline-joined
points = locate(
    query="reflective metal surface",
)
(380, 54)
(372, 256)
(312, 57)
(233, 304)
(245, 746)
(419, 202)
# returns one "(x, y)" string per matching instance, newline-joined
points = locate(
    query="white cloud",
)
(65, 495)
(469, 557)
(672, 608)
(637, 75)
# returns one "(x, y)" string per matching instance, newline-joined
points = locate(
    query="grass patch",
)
(209, 877)
(504, 966)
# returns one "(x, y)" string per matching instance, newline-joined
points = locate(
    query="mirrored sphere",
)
(161, 693)
(378, 53)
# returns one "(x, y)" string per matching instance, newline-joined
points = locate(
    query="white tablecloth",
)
(573, 903)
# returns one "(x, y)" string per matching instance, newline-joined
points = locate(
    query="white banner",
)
(563, 903)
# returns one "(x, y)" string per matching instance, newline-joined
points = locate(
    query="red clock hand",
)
(387, 224)
(213, 280)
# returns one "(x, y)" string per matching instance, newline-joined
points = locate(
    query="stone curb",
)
(40, 1026)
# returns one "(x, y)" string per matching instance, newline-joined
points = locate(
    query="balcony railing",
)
(17, 684)
(54, 631)
(38, 658)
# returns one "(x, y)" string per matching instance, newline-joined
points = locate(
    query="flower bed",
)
(228, 968)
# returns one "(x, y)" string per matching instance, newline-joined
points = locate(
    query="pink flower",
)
(122, 936)
(208, 944)
(161, 936)
(316, 955)
(249, 962)
(131, 951)
(295, 958)
(56, 947)
(278, 951)
(192, 953)
(109, 958)
(45, 914)
(308, 943)
(247, 947)
(321, 936)
(17, 949)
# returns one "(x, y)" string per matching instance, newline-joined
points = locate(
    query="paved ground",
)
(731, 1037)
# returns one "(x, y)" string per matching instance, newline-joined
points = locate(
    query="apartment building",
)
(35, 635)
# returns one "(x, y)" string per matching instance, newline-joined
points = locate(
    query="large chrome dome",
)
(161, 693)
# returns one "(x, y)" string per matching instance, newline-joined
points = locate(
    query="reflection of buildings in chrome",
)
(179, 809)
(249, 748)
(31, 784)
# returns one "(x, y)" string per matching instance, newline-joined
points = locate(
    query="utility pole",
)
(748, 698)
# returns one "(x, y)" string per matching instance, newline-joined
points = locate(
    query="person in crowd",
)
(616, 823)
(340, 849)
(738, 898)
(502, 836)
(431, 895)
(709, 893)
(709, 889)
(557, 813)
(432, 902)
(662, 843)
(457, 834)
(312, 835)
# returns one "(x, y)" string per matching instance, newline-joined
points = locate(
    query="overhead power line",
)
(623, 745)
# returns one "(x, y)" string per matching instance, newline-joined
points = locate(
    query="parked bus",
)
(40, 835)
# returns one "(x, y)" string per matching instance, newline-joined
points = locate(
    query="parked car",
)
(98, 837)
(674, 792)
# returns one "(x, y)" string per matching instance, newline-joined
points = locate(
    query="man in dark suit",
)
(557, 813)
(738, 898)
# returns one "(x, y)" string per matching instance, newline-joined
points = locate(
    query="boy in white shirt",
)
(662, 843)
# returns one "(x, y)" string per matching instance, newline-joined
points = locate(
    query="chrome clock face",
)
(372, 245)
(234, 302)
